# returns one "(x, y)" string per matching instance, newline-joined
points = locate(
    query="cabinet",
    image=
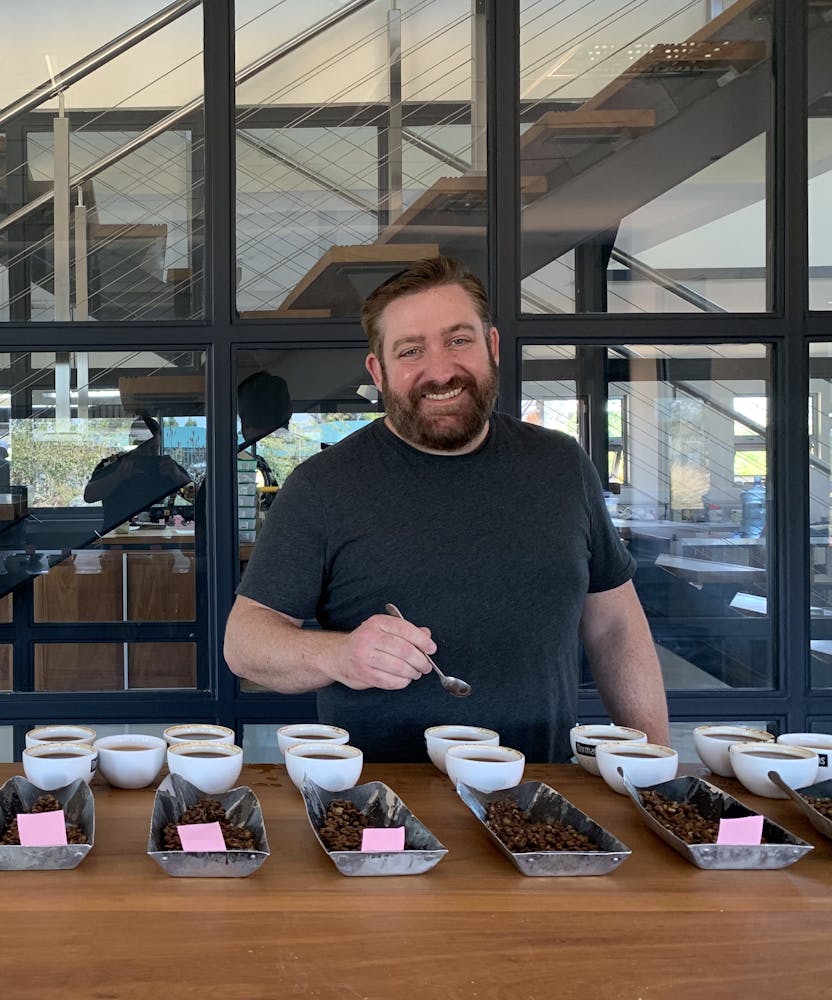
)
(112, 585)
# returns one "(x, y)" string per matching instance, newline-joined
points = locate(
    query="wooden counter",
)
(473, 928)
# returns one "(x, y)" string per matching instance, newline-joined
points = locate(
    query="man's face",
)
(438, 370)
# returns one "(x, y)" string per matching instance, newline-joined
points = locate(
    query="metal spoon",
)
(453, 685)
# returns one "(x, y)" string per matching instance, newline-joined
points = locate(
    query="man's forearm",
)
(272, 650)
(624, 664)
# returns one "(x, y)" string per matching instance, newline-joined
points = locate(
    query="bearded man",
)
(490, 535)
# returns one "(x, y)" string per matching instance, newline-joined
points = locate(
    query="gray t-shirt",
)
(494, 551)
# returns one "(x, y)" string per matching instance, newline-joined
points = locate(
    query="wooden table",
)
(473, 928)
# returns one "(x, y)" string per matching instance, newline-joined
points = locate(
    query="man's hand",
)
(385, 652)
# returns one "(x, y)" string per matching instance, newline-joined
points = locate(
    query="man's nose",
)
(440, 364)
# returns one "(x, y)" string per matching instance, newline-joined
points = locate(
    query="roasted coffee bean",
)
(43, 803)
(237, 838)
(342, 826)
(821, 803)
(516, 830)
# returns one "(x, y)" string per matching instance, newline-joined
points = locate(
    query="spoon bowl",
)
(453, 685)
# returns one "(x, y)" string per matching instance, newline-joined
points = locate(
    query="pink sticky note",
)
(42, 829)
(201, 837)
(390, 838)
(742, 830)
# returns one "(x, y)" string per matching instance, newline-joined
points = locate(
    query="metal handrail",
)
(275, 154)
(663, 281)
(436, 151)
(93, 60)
(176, 116)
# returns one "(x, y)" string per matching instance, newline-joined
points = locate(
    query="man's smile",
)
(448, 394)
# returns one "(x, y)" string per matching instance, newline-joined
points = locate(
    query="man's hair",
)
(432, 272)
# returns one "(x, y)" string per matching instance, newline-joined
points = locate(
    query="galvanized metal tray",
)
(19, 795)
(545, 805)
(384, 808)
(173, 797)
(781, 849)
(802, 798)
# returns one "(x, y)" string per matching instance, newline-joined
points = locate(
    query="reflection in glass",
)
(684, 460)
(358, 150)
(101, 163)
(104, 454)
(820, 509)
(819, 155)
(643, 156)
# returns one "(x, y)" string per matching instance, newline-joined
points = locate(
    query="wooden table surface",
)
(473, 927)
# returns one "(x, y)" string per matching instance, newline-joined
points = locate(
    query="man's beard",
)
(471, 410)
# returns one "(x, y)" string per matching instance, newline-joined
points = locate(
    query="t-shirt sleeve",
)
(286, 567)
(610, 564)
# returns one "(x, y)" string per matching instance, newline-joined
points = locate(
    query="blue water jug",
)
(753, 509)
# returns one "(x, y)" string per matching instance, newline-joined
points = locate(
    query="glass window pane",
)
(820, 157)
(113, 666)
(644, 133)
(697, 528)
(820, 504)
(102, 514)
(102, 187)
(359, 150)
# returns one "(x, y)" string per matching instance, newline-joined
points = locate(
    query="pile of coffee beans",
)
(516, 830)
(683, 819)
(342, 826)
(43, 803)
(205, 810)
(821, 803)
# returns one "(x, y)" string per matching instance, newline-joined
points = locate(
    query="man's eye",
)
(461, 341)
(411, 352)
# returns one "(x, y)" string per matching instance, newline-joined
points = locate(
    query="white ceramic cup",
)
(130, 760)
(643, 763)
(333, 766)
(439, 739)
(202, 732)
(309, 732)
(713, 742)
(797, 766)
(59, 733)
(211, 767)
(821, 743)
(54, 765)
(485, 767)
(584, 741)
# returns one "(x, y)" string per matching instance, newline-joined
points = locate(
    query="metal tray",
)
(18, 795)
(783, 848)
(545, 805)
(173, 797)
(384, 808)
(802, 799)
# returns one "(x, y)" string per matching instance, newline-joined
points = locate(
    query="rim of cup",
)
(638, 749)
(580, 733)
(487, 734)
(299, 729)
(819, 741)
(56, 729)
(50, 749)
(495, 754)
(117, 741)
(726, 729)
(753, 749)
(342, 750)
(216, 749)
(180, 730)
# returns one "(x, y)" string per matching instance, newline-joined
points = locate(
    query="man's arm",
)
(624, 664)
(271, 649)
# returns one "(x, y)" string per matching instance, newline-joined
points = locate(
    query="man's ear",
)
(373, 366)
(493, 338)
